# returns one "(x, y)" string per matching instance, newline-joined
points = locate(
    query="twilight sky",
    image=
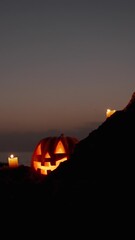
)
(62, 64)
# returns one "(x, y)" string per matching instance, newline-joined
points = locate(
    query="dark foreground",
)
(91, 194)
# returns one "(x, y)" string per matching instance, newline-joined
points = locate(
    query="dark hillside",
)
(97, 182)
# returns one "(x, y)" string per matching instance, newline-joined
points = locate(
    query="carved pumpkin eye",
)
(38, 150)
(51, 151)
(60, 148)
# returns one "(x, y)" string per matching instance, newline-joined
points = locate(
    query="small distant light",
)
(109, 112)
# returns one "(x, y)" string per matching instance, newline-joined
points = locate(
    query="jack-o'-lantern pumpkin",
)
(51, 151)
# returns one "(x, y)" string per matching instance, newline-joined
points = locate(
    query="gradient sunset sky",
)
(62, 64)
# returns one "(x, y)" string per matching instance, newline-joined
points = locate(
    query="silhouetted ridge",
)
(97, 181)
(131, 104)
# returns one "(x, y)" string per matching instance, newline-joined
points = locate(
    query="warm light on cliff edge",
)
(109, 112)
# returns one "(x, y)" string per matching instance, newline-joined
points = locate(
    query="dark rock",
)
(97, 181)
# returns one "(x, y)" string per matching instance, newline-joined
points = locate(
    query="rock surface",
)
(96, 182)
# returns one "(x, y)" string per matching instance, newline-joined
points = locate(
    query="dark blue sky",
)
(62, 64)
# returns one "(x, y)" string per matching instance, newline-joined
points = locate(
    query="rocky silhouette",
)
(97, 180)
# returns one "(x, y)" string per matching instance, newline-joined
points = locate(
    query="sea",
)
(24, 158)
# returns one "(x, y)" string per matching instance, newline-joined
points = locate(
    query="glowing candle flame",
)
(109, 112)
(13, 161)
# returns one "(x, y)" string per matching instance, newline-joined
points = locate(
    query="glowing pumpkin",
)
(51, 151)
